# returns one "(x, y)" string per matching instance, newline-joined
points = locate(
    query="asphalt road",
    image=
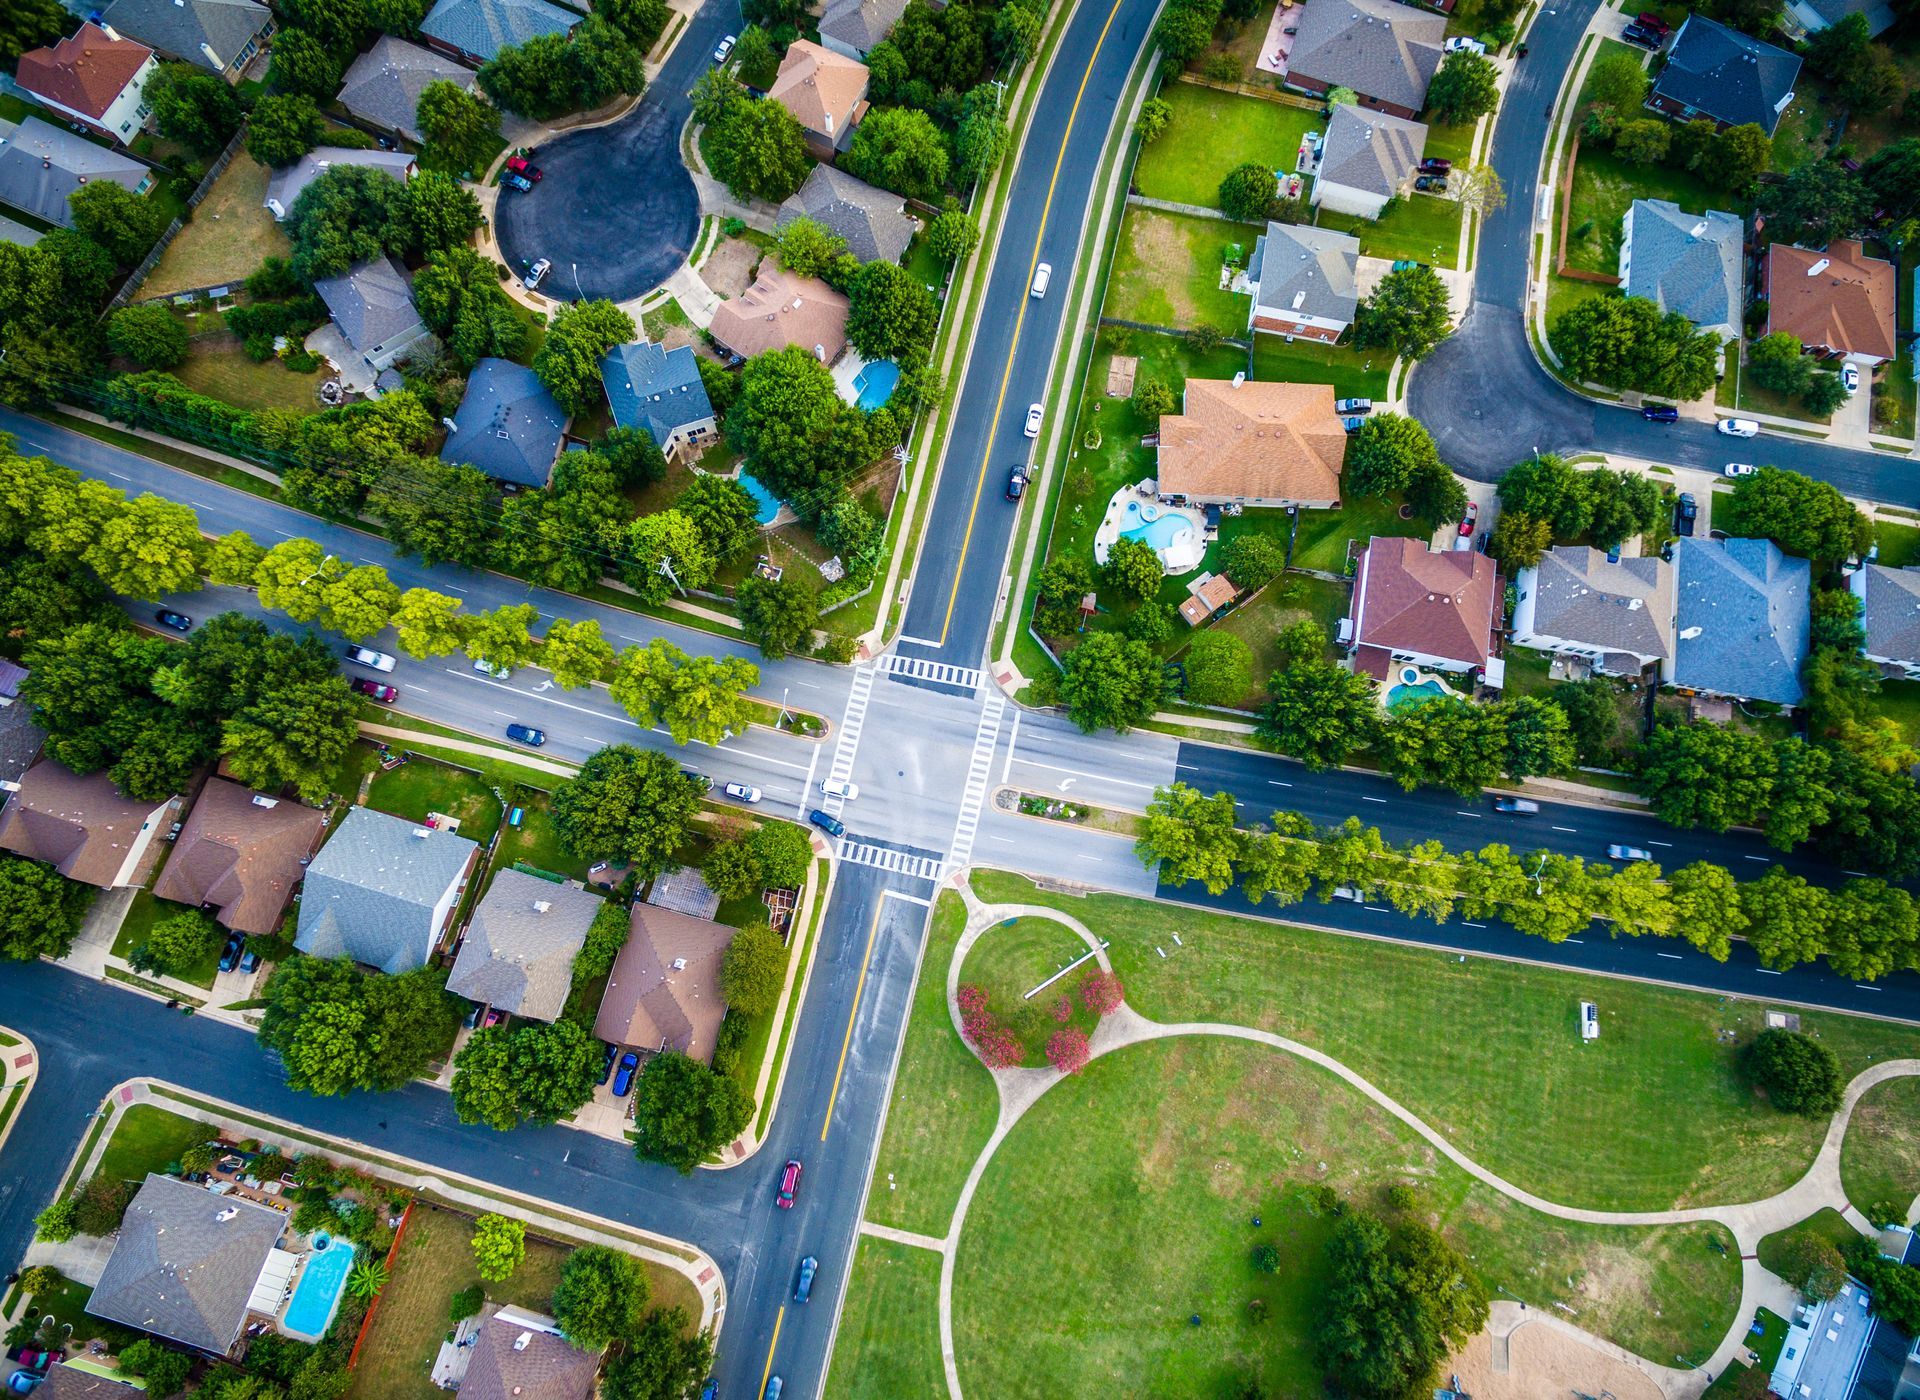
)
(616, 211)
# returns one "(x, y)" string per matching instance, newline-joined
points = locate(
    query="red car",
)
(374, 690)
(520, 165)
(1647, 19)
(1473, 514)
(789, 1184)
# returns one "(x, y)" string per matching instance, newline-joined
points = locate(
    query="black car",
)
(1016, 483)
(1431, 184)
(527, 734)
(1684, 513)
(606, 1069)
(832, 825)
(1660, 413)
(697, 778)
(179, 622)
(1435, 165)
(1641, 35)
(230, 955)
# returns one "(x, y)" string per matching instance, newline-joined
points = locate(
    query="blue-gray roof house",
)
(474, 31)
(382, 891)
(508, 425)
(1723, 75)
(659, 390)
(1690, 263)
(1742, 621)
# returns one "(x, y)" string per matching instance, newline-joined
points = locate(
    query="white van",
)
(1042, 275)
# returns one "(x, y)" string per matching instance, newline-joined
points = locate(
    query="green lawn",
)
(1656, 1103)
(1455, 143)
(1360, 374)
(888, 1345)
(10, 1099)
(1008, 962)
(1166, 271)
(1281, 603)
(1825, 1221)
(422, 785)
(1880, 1158)
(1423, 227)
(1565, 293)
(1899, 544)
(149, 1139)
(1604, 186)
(943, 1106)
(68, 1304)
(1324, 534)
(536, 841)
(1145, 1222)
(924, 265)
(143, 914)
(1212, 132)
(215, 366)
(1900, 702)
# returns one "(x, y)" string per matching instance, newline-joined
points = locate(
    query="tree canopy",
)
(684, 1111)
(626, 804)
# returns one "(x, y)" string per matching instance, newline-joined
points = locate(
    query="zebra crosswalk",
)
(979, 771)
(918, 668)
(886, 858)
(848, 744)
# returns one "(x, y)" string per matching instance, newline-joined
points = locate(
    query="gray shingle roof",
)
(518, 951)
(12, 231)
(659, 390)
(860, 24)
(484, 27)
(370, 894)
(284, 186)
(1743, 621)
(523, 1355)
(1730, 76)
(185, 1263)
(508, 425)
(1690, 263)
(1627, 607)
(1371, 151)
(65, 1383)
(1891, 612)
(372, 303)
(873, 222)
(41, 164)
(385, 83)
(20, 741)
(179, 27)
(1381, 50)
(1313, 264)
(1879, 13)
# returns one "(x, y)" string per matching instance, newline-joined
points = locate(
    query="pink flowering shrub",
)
(1063, 1010)
(1000, 1049)
(1101, 993)
(1067, 1050)
(970, 999)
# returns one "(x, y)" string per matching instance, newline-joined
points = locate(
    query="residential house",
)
(1837, 301)
(509, 425)
(1433, 609)
(64, 1382)
(520, 1355)
(1385, 52)
(284, 186)
(649, 386)
(1619, 614)
(474, 31)
(189, 1266)
(382, 891)
(42, 164)
(1742, 623)
(220, 36)
(1889, 612)
(82, 826)
(13, 231)
(20, 738)
(1843, 1348)
(852, 27)
(782, 309)
(384, 85)
(96, 78)
(1690, 263)
(1366, 158)
(825, 91)
(1803, 17)
(1252, 443)
(664, 992)
(517, 953)
(1303, 282)
(372, 304)
(1727, 77)
(241, 853)
(873, 222)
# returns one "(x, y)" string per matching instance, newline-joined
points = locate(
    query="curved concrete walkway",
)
(1749, 1223)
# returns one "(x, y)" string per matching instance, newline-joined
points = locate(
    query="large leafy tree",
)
(149, 549)
(538, 1073)
(758, 148)
(1816, 203)
(568, 361)
(1447, 741)
(685, 1112)
(503, 638)
(428, 622)
(1407, 313)
(1133, 569)
(347, 215)
(1801, 515)
(783, 852)
(666, 551)
(1786, 918)
(550, 73)
(626, 804)
(1706, 775)
(499, 1246)
(1189, 836)
(890, 314)
(900, 149)
(1463, 89)
(196, 108)
(30, 24)
(575, 652)
(796, 431)
(1111, 683)
(295, 734)
(1383, 456)
(1797, 1072)
(779, 614)
(459, 299)
(283, 128)
(126, 224)
(40, 910)
(1628, 343)
(1397, 1302)
(149, 334)
(600, 1296)
(665, 1360)
(1318, 712)
(459, 127)
(1219, 669)
(754, 970)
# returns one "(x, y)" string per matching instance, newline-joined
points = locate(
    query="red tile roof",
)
(1408, 598)
(84, 73)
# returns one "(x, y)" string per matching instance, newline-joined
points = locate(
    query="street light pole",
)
(582, 296)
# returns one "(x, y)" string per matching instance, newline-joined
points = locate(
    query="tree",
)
(1786, 918)
(1397, 1303)
(1219, 669)
(458, 128)
(148, 549)
(1189, 836)
(1618, 80)
(778, 614)
(665, 549)
(336, 1029)
(1152, 398)
(1892, 177)
(1384, 454)
(1825, 393)
(39, 910)
(982, 138)
(1876, 82)
(601, 1293)
(164, 1370)
(1871, 929)
(1155, 114)
(1777, 362)
(31, 24)
(1642, 141)
(499, 1247)
(890, 316)
(196, 108)
(176, 943)
(1803, 516)
(1250, 560)
(730, 869)
(149, 334)
(1058, 588)
(1447, 741)
(1317, 711)
(503, 638)
(784, 854)
(283, 128)
(628, 805)
(753, 970)
(1737, 156)
(1463, 89)
(549, 74)
(1627, 342)
(664, 1360)
(1407, 313)
(685, 1112)
(1111, 683)
(360, 602)
(122, 222)
(1247, 192)
(1706, 775)
(954, 233)
(1435, 494)
(1810, 1261)
(899, 149)
(792, 425)
(1539, 739)
(1478, 188)
(538, 1073)
(460, 300)
(723, 511)
(428, 623)
(568, 361)
(1101, 993)
(1816, 203)
(575, 653)
(1833, 51)
(759, 150)
(1797, 1073)
(808, 248)
(1706, 906)
(606, 936)
(1133, 568)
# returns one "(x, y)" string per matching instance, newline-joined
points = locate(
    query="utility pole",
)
(666, 567)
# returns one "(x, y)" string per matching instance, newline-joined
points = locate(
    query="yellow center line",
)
(778, 1318)
(1019, 319)
(858, 988)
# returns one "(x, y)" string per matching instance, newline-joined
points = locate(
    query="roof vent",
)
(1820, 265)
(679, 964)
(228, 1213)
(1699, 230)
(1239, 378)
(1635, 604)
(1299, 298)
(541, 906)
(260, 801)
(521, 1343)
(421, 832)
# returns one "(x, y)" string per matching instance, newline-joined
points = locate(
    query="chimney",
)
(1820, 265)
(1699, 230)
(829, 116)
(110, 32)
(212, 57)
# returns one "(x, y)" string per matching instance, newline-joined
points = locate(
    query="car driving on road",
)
(840, 788)
(1016, 483)
(803, 1282)
(374, 690)
(1618, 852)
(1042, 276)
(723, 48)
(741, 792)
(527, 734)
(789, 1184)
(367, 656)
(832, 825)
(487, 668)
(1516, 806)
(179, 622)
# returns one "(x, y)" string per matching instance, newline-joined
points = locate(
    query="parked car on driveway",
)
(1850, 378)
(516, 182)
(1473, 514)
(1660, 413)
(374, 690)
(1435, 165)
(367, 656)
(1460, 43)
(520, 165)
(179, 622)
(1738, 427)
(1431, 184)
(1647, 19)
(1353, 423)
(1344, 406)
(1644, 37)
(1685, 510)
(623, 1077)
(230, 955)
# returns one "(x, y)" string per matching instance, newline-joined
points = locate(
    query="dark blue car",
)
(1660, 413)
(623, 1077)
(527, 734)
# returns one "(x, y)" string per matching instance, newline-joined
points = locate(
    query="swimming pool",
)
(768, 504)
(316, 1296)
(1402, 695)
(1158, 528)
(874, 383)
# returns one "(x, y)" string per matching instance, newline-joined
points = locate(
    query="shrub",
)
(1797, 1072)
(1266, 1259)
(1068, 1051)
(57, 1224)
(99, 1204)
(466, 1303)
(1101, 993)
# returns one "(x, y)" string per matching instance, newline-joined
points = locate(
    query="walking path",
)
(1749, 1222)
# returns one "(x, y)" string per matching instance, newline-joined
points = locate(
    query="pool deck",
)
(345, 1247)
(1181, 555)
(847, 380)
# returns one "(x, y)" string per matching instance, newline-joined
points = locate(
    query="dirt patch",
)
(1160, 245)
(673, 337)
(729, 268)
(226, 239)
(1539, 1360)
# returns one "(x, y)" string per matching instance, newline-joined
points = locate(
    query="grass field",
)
(1423, 227)
(536, 841)
(888, 1346)
(1324, 534)
(1283, 602)
(1353, 373)
(142, 914)
(1662, 1116)
(1212, 132)
(1880, 1159)
(1008, 962)
(1772, 1250)
(148, 1139)
(1604, 186)
(216, 366)
(1166, 271)
(228, 236)
(422, 785)
(68, 1303)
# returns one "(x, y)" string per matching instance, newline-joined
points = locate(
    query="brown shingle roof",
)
(84, 73)
(1846, 306)
(664, 993)
(522, 1356)
(1263, 440)
(242, 858)
(779, 310)
(820, 87)
(1408, 598)
(82, 827)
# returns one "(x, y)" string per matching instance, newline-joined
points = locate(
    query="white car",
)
(742, 792)
(1034, 414)
(1850, 378)
(536, 272)
(1737, 469)
(487, 668)
(840, 788)
(1042, 277)
(1739, 427)
(367, 656)
(723, 48)
(1461, 44)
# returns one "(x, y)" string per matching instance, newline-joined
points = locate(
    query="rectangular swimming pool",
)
(316, 1296)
